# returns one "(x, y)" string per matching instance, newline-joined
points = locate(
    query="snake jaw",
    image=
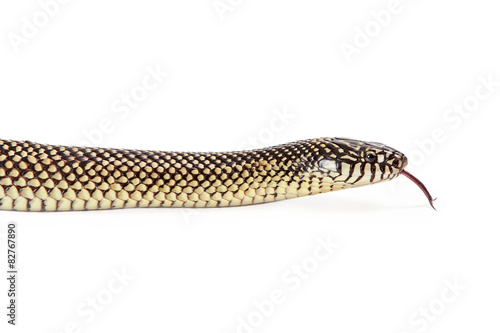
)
(421, 185)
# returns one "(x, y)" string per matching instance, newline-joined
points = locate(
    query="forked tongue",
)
(419, 184)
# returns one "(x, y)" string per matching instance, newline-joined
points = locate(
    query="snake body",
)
(38, 177)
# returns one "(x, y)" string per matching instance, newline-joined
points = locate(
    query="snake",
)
(53, 178)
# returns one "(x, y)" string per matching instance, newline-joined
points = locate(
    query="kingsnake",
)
(37, 177)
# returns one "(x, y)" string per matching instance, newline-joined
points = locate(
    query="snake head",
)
(352, 163)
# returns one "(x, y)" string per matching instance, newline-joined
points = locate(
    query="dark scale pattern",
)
(38, 177)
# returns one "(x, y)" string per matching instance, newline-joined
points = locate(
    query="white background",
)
(229, 74)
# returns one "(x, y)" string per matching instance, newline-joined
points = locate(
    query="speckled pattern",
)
(37, 177)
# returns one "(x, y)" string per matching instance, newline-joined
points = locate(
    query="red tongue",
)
(419, 184)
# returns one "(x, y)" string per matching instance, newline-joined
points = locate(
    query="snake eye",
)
(371, 157)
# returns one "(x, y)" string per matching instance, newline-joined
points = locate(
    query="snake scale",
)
(38, 177)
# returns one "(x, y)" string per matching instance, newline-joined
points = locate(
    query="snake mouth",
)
(421, 185)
